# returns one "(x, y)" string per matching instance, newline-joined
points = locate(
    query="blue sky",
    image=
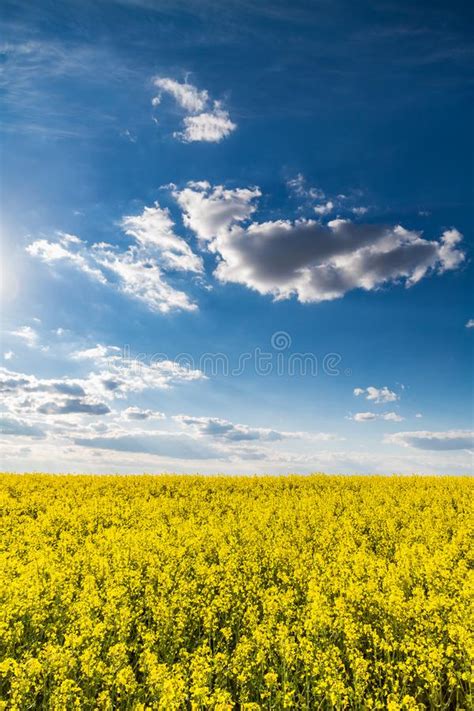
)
(188, 187)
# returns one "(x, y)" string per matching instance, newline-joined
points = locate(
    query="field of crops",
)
(176, 592)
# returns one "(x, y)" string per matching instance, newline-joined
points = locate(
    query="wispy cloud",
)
(27, 334)
(137, 272)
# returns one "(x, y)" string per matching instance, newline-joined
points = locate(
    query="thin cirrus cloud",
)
(439, 441)
(206, 119)
(304, 258)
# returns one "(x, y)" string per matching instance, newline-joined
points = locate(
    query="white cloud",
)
(359, 210)
(137, 413)
(69, 249)
(98, 352)
(27, 334)
(377, 395)
(41, 455)
(370, 416)
(211, 211)
(324, 209)
(450, 256)
(13, 427)
(305, 258)
(364, 416)
(222, 429)
(113, 377)
(153, 229)
(392, 417)
(118, 373)
(210, 126)
(216, 427)
(139, 271)
(72, 406)
(470, 323)
(206, 121)
(186, 95)
(449, 440)
(23, 394)
(140, 277)
(8, 355)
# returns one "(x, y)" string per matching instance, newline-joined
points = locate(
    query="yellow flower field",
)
(174, 592)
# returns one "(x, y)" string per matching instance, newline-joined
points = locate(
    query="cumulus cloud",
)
(369, 416)
(377, 395)
(225, 430)
(364, 416)
(98, 352)
(139, 271)
(439, 441)
(210, 438)
(211, 126)
(210, 211)
(206, 119)
(71, 406)
(324, 209)
(470, 323)
(137, 413)
(216, 427)
(450, 257)
(22, 393)
(113, 377)
(120, 374)
(304, 258)
(392, 417)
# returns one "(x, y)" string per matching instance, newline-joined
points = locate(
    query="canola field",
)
(174, 592)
